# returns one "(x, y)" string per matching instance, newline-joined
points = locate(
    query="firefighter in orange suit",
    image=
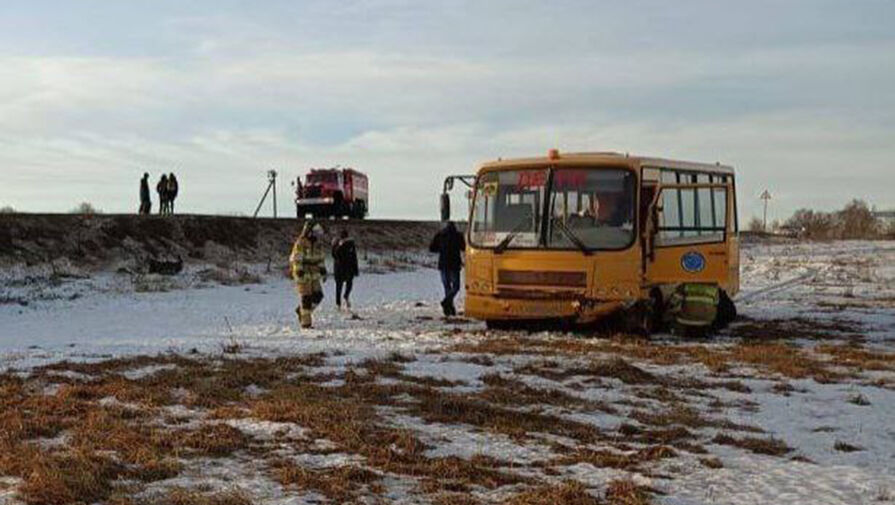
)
(308, 271)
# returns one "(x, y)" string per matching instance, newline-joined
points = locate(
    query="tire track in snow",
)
(778, 287)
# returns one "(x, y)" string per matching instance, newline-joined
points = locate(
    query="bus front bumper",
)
(493, 308)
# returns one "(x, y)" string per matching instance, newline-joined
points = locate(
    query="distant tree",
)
(812, 225)
(86, 208)
(856, 221)
(7, 209)
(756, 224)
(890, 230)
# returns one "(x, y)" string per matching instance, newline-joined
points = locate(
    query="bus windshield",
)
(507, 208)
(588, 209)
(591, 209)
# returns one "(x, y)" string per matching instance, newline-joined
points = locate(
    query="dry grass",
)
(626, 492)
(846, 447)
(713, 463)
(566, 493)
(760, 349)
(859, 357)
(616, 368)
(340, 484)
(768, 446)
(119, 430)
(455, 499)
(216, 440)
(77, 476)
(505, 390)
(630, 461)
(183, 496)
(684, 415)
(464, 409)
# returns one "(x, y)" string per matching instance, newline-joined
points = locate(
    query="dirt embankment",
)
(104, 241)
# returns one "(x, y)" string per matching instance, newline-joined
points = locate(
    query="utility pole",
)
(765, 196)
(271, 185)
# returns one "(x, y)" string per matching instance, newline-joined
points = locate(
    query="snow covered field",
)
(793, 404)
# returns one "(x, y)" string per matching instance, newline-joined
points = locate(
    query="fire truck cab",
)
(332, 192)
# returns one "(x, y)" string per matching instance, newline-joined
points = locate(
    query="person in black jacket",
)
(449, 244)
(145, 200)
(162, 189)
(344, 266)
(173, 189)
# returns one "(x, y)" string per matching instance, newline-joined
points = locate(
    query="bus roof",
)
(607, 158)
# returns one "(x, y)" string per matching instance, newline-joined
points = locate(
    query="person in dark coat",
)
(173, 189)
(345, 267)
(145, 200)
(449, 245)
(162, 189)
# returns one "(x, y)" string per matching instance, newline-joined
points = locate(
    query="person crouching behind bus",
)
(345, 267)
(308, 271)
(449, 244)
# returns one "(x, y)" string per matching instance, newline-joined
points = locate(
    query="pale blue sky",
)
(798, 95)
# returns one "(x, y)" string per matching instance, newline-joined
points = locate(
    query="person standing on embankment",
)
(145, 199)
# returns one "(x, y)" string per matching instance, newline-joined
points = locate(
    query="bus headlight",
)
(478, 286)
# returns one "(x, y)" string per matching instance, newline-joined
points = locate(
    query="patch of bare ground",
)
(764, 345)
(713, 463)
(463, 409)
(615, 368)
(846, 447)
(393, 368)
(856, 356)
(505, 390)
(796, 328)
(184, 496)
(769, 446)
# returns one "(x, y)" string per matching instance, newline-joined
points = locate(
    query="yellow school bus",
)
(576, 237)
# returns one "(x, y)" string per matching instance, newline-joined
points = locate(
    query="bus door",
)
(687, 233)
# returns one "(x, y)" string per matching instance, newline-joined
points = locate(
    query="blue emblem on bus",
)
(693, 262)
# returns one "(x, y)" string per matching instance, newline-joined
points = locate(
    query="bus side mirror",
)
(445, 207)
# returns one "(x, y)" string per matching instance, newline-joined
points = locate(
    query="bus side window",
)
(692, 216)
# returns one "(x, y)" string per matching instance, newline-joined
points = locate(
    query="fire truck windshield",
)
(323, 177)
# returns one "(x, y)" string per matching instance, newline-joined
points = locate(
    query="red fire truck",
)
(332, 192)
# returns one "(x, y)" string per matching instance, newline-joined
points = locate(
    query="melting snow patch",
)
(146, 371)
(267, 430)
(460, 441)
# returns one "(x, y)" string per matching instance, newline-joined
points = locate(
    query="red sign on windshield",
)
(563, 179)
(531, 178)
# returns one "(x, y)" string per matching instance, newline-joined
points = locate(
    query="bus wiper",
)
(502, 246)
(573, 237)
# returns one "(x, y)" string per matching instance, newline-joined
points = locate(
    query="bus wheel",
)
(641, 318)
